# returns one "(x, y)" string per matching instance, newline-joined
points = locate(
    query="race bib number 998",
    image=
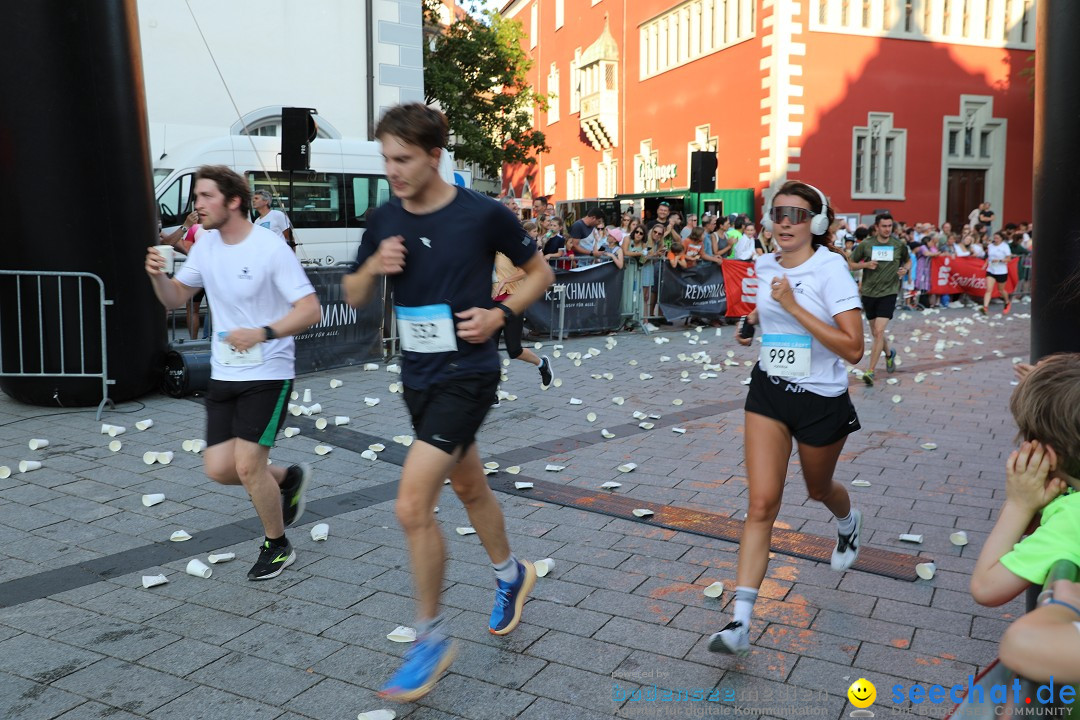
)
(426, 329)
(785, 355)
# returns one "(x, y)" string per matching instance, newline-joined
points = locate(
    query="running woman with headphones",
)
(810, 326)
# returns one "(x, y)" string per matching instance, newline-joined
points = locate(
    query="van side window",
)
(366, 192)
(175, 202)
(315, 201)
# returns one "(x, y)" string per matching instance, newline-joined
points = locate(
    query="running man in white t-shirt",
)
(811, 324)
(262, 297)
(271, 219)
(997, 271)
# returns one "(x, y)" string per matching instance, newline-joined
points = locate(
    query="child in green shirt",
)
(1043, 475)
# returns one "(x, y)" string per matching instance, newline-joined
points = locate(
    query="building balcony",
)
(600, 119)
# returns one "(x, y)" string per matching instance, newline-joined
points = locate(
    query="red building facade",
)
(922, 107)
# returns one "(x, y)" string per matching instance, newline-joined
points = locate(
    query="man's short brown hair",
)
(231, 184)
(1046, 407)
(416, 124)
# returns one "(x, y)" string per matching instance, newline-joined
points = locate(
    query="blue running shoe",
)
(424, 663)
(510, 597)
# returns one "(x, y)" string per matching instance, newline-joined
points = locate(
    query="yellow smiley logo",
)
(862, 693)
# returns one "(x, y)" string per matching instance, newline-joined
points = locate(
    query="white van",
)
(328, 205)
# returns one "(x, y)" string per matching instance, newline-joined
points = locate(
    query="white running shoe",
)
(847, 546)
(734, 639)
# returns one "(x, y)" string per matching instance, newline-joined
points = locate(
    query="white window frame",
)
(692, 30)
(575, 180)
(878, 126)
(553, 94)
(560, 13)
(575, 82)
(976, 114)
(607, 175)
(550, 180)
(987, 23)
(534, 22)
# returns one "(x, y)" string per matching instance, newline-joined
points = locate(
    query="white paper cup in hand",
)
(165, 457)
(115, 445)
(198, 568)
(39, 443)
(543, 567)
(169, 253)
(144, 424)
(320, 532)
(28, 465)
(115, 430)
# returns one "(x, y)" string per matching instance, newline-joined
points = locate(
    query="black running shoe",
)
(272, 560)
(297, 478)
(545, 371)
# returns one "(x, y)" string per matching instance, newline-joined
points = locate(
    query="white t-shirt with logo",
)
(252, 284)
(274, 220)
(822, 285)
(998, 255)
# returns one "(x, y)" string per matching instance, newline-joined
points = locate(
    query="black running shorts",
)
(813, 419)
(879, 307)
(448, 414)
(252, 410)
(1000, 278)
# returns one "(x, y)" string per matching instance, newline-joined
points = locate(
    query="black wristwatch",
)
(270, 334)
(508, 314)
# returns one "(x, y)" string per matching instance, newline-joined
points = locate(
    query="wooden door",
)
(966, 190)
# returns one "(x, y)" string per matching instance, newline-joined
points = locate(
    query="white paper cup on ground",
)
(169, 253)
(320, 532)
(466, 531)
(714, 590)
(216, 558)
(314, 409)
(38, 443)
(115, 430)
(149, 581)
(402, 634)
(144, 424)
(26, 466)
(643, 512)
(369, 455)
(165, 457)
(321, 424)
(543, 567)
(523, 485)
(382, 714)
(341, 420)
(959, 538)
(197, 446)
(911, 538)
(105, 428)
(628, 467)
(291, 431)
(336, 383)
(296, 410)
(926, 570)
(180, 536)
(322, 449)
(186, 445)
(115, 445)
(152, 499)
(307, 395)
(198, 568)
(5, 472)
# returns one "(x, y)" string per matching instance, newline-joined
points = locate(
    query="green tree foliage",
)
(476, 70)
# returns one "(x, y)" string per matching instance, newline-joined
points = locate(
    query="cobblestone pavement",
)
(622, 610)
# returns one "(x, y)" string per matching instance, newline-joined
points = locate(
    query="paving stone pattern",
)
(620, 618)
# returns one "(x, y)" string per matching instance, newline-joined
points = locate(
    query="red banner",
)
(951, 275)
(741, 285)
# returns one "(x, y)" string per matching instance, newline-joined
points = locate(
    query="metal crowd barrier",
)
(54, 324)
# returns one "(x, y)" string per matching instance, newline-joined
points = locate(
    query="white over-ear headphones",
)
(819, 224)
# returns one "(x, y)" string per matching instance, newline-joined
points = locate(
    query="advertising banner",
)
(697, 291)
(344, 336)
(593, 301)
(950, 275)
(742, 286)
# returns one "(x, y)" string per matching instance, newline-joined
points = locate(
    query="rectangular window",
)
(175, 202)
(860, 162)
(1025, 23)
(909, 16)
(890, 146)
(954, 139)
(553, 92)
(560, 13)
(316, 200)
(534, 21)
(691, 30)
(968, 142)
(878, 152)
(984, 144)
(866, 13)
(367, 192)
(823, 12)
(875, 157)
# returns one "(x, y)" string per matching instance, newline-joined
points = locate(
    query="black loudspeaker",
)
(298, 129)
(702, 171)
(186, 373)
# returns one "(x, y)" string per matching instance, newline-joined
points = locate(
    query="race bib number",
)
(882, 253)
(226, 354)
(785, 355)
(427, 329)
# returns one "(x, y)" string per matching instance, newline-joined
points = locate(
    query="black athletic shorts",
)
(879, 307)
(813, 419)
(448, 414)
(252, 410)
(1000, 278)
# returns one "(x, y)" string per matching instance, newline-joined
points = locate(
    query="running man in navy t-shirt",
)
(437, 244)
